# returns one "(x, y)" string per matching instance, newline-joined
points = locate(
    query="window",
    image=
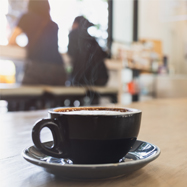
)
(3, 20)
(96, 11)
(63, 13)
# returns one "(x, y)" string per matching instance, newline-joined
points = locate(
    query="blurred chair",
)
(22, 98)
(95, 93)
(56, 96)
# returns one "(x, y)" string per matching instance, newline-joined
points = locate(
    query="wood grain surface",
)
(164, 123)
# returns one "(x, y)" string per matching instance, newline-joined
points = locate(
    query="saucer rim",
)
(120, 164)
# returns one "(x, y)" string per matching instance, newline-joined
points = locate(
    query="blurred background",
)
(146, 41)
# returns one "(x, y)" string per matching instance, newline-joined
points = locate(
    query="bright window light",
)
(3, 21)
(7, 67)
(63, 13)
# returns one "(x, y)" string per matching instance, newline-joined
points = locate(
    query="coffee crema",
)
(92, 110)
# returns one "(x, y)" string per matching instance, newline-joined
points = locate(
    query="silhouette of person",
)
(87, 56)
(44, 64)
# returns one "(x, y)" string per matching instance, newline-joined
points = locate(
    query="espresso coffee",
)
(89, 135)
(93, 111)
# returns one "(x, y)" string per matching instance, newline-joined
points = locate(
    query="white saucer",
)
(141, 154)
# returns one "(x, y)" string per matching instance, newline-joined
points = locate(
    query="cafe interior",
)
(147, 53)
(146, 42)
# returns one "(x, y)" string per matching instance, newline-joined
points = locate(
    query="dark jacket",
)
(87, 59)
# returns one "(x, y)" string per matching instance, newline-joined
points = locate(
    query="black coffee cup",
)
(89, 135)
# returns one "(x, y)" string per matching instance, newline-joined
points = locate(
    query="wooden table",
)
(164, 123)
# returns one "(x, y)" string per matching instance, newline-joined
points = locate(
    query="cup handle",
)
(52, 124)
